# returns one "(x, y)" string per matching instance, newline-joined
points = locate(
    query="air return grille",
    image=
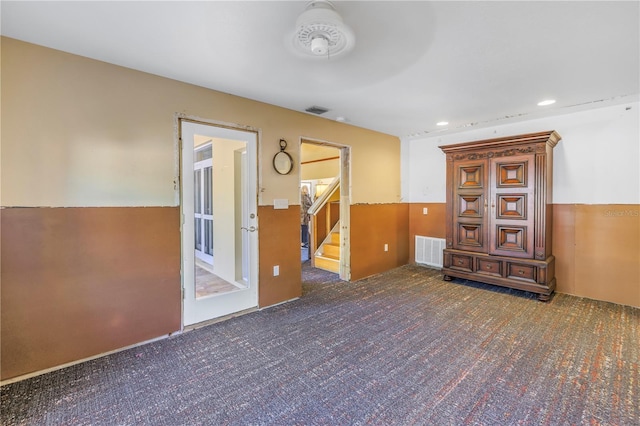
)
(429, 251)
(316, 110)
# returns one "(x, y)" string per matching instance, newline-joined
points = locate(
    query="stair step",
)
(335, 238)
(331, 250)
(327, 263)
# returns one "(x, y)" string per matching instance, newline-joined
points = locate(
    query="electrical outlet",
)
(276, 270)
(425, 210)
(386, 247)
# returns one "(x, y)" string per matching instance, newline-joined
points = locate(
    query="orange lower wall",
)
(597, 247)
(373, 226)
(279, 244)
(430, 225)
(78, 282)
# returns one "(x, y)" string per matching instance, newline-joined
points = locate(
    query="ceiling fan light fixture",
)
(321, 32)
(319, 45)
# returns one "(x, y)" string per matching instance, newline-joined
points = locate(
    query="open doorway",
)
(324, 175)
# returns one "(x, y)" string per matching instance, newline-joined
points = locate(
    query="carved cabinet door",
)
(470, 189)
(511, 210)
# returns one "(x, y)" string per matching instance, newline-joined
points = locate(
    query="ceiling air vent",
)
(316, 110)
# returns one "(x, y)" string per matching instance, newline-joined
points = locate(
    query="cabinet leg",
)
(544, 297)
(447, 278)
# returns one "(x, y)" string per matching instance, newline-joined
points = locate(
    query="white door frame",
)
(197, 310)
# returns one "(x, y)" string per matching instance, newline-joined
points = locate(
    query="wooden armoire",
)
(499, 212)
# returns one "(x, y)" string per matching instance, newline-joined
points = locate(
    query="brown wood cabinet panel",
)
(488, 266)
(499, 212)
(461, 262)
(521, 272)
(470, 205)
(512, 188)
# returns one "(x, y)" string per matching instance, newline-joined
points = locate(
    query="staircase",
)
(327, 256)
(326, 221)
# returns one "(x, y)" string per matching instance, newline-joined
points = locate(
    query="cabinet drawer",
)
(489, 267)
(461, 262)
(523, 272)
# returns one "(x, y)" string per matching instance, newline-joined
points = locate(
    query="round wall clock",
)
(282, 161)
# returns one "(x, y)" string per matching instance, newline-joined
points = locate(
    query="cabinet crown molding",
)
(507, 144)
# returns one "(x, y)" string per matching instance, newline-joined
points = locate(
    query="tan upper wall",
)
(320, 170)
(80, 132)
(319, 161)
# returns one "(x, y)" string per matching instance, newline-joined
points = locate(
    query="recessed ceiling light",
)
(442, 123)
(547, 102)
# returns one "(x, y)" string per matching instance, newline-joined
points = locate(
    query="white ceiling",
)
(414, 63)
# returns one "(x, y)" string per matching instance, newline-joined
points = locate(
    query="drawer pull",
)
(488, 266)
(521, 272)
(460, 262)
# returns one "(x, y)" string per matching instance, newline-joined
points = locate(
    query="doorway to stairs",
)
(324, 174)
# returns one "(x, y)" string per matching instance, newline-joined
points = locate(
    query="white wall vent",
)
(429, 251)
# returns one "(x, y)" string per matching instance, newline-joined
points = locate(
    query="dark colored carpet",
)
(403, 347)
